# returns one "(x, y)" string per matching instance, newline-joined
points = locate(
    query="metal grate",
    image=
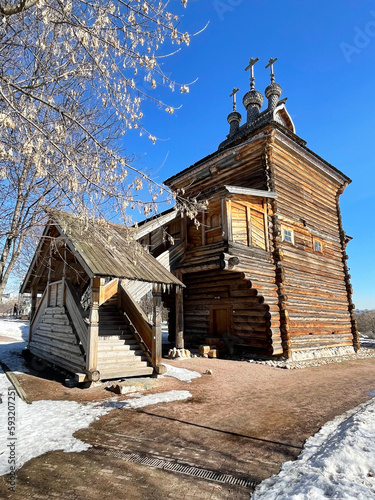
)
(180, 468)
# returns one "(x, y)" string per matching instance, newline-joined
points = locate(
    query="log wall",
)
(217, 301)
(243, 167)
(313, 281)
(55, 340)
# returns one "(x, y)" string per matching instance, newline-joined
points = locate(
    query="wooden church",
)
(263, 270)
(264, 267)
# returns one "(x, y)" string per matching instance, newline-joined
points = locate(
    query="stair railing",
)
(77, 313)
(136, 315)
(108, 290)
(38, 313)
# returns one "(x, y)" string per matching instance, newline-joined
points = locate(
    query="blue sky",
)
(326, 55)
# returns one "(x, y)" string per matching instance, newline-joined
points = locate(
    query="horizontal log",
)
(58, 361)
(58, 353)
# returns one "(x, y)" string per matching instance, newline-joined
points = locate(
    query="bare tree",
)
(71, 85)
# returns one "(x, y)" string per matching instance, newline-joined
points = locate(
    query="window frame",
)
(288, 229)
(320, 242)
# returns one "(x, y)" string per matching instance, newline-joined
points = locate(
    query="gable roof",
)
(104, 249)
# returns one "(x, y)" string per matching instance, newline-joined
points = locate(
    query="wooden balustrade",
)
(136, 316)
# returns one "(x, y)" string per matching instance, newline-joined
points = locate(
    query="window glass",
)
(317, 245)
(287, 234)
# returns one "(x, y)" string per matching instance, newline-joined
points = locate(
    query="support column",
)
(92, 344)
(179, 317)
(156, 331)
(34, 296)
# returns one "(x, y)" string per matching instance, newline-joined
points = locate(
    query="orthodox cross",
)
(233, 94)
(251, 67)
(270, 65)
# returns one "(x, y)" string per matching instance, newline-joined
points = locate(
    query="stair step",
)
(122, 361)
(124, 364)
(118, 373)
(120, 345)
(112, 323)
(121, 350)
(117, 339)
(129, 354)
(112, 331)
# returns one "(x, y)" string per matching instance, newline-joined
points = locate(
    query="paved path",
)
(244, 420)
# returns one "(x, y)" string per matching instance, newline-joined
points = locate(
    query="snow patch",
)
(337, 462)
(181, 373)
(43, 426)
(140, 401)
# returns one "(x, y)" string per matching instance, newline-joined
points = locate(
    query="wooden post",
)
(183, 229)
(226, 219)
(63, 278)
(92, 344)
(156, 328)
(49, 275)
(179, 316)
(203, 228)
(34, 296)
(248, 223)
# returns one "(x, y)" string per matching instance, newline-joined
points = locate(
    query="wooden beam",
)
(156, 328)
(203, 228)
(92, 344)
(179, 316)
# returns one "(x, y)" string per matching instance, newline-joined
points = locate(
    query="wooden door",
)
(220, 322)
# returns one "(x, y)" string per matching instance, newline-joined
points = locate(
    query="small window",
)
(317, 245)
(287, 234)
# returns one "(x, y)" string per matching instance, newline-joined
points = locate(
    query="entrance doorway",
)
(220, 322)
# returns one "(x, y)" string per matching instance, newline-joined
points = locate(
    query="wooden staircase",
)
(119, 352)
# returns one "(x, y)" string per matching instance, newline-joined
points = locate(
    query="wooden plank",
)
(93, 331)
(15, 382)
(136, 316)
(75, 311)
(107, 291)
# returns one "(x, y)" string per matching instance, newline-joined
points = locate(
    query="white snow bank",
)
(18, 333)
(338, 462)
(141, 401)
(180, 373)
(43, 426)
(49, 425)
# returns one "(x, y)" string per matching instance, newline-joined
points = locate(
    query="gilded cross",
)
(270, 65)
(233, 94)
(251, 67)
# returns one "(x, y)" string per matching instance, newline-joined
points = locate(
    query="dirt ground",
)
(245, 420)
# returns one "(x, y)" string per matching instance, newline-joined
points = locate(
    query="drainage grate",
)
(180, 468)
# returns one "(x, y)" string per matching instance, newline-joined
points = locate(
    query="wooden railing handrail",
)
(108, 290)
(38, 311)
(76, 312)
(136, 316)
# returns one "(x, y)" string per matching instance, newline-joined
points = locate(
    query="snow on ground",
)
(42, 426)
(140, 401)
(17, 332)
(366, 341)
(49, 425)
(180, 373)
(338, 462)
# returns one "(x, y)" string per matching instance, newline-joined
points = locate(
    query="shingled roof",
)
(106, 249)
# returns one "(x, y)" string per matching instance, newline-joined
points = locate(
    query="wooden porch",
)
(112, 338)
(88, 321)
